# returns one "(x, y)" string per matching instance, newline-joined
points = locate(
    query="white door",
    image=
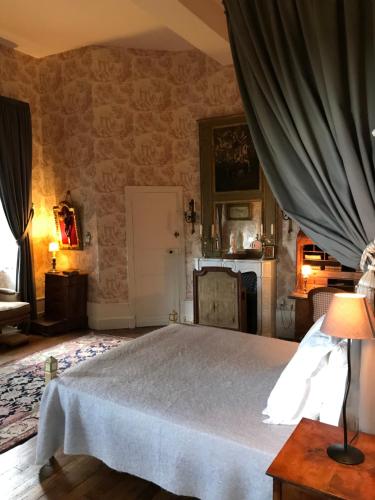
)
(155, 249)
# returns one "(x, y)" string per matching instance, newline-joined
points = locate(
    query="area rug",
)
(22, 383)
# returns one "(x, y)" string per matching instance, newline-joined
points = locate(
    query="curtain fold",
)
(306, 72)
(15, 187)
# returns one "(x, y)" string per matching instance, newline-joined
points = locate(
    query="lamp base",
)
(348, 456)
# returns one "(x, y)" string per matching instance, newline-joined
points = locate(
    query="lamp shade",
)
(349, 316)
(53, 246)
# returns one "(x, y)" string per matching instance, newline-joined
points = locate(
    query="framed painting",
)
(234, 160)
(269, 252)
(67, 226)
(238, 211)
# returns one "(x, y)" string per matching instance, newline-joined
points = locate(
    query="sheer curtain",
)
(8, 254)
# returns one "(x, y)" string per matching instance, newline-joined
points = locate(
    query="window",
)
(8, 253)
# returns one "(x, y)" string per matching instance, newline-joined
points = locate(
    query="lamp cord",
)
(354, 437)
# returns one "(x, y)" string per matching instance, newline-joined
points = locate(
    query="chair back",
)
(320, 299)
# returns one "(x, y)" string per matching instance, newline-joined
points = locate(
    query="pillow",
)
(300, 389)
(335, 382)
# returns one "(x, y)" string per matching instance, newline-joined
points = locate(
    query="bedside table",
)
(65, 304)
(303, 471)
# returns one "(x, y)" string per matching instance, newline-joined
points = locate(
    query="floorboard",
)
(69, 477)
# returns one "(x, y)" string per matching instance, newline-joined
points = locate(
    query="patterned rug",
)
(22, 384)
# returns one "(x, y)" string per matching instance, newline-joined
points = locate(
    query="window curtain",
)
(306, 72)
(15, 187)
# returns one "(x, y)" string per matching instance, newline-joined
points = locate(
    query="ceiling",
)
(44, 27)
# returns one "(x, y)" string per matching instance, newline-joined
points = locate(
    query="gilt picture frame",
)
(238, 211)
(67, 226)
(269, 252)
(235, 163)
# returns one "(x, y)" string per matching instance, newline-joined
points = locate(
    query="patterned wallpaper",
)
(68, 146)
(113, 117)
(105, 118)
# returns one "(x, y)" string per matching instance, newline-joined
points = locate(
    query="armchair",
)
(13, 312)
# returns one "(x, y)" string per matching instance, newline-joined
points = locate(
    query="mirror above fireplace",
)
(238, 210)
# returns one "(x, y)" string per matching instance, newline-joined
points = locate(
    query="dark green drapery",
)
(306, 71)
(15, 187)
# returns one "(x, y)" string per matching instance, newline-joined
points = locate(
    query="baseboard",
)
(110, 316)
(40, 306)
(188, 311)
(152, 321)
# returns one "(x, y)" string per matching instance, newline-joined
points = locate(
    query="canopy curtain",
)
(15, 187)
(306, 72)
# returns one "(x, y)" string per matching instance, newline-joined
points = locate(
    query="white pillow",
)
(334, 387)
(300, 389)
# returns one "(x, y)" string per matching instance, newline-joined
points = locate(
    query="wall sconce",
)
(285, 216)
(191, 215)
(88, 238)
(53, 247)
(306, 271)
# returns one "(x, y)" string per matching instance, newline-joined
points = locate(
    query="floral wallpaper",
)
(68, 145)
(105, 118)
(113, 117)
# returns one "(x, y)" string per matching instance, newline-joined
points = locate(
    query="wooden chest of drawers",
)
(65, 304)
(66, 299)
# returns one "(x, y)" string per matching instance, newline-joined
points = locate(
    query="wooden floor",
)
(69, 477)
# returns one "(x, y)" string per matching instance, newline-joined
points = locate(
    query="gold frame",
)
(269, 252)
(66, 218)
(231, 206)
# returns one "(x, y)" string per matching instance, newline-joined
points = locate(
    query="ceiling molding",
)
(201, 23)
(43, 27)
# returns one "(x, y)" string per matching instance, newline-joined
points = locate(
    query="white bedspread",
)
(181, 407)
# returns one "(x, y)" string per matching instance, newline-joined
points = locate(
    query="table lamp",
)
(349, 316)
(53, 247)
(306, 271)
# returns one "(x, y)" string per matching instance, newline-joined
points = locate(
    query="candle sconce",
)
(191, 215)
(286, 217)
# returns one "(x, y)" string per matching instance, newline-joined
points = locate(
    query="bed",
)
(181, 407)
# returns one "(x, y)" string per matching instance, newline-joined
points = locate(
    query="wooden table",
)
(302, 470)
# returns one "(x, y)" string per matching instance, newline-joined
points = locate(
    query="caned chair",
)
(319, 301)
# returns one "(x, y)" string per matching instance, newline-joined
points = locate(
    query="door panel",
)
(157, 254)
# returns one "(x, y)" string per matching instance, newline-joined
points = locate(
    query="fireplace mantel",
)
(266, 287)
